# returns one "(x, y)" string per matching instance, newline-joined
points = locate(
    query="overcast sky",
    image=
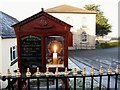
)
(21, 9)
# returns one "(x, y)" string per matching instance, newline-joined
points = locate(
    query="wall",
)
(0, 58)
(0, 55)
(6, 44)
(76, 20)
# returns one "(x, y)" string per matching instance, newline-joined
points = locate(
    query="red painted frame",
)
(36, 25)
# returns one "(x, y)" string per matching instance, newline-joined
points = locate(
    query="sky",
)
(21, 9)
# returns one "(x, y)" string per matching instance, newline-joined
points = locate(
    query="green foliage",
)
(102, 26)
(114, 44)
(109, 45)
(104, 45)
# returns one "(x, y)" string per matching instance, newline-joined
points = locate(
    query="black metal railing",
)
(24, 82)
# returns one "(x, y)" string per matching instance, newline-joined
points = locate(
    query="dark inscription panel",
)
(31, 51)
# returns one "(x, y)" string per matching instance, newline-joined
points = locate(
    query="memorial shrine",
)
(42, 41)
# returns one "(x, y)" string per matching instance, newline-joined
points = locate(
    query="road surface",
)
(97, 58)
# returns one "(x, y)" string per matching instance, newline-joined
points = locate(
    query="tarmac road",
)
(97, 58)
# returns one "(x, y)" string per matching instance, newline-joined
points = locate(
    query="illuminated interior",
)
(54, 48)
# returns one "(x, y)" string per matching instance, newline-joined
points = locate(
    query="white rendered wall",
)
(0, 61)
(0, 55)
(6, 62)
(76, 20)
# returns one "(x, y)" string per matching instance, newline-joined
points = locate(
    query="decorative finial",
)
(8, 73)
(92, 71)
(56, 72)
(28, 73)
(117, 70)
(42, 9)
(74, 72)
(47, 71)
(109, 70)
(100, 70)
(66, 72)
(38, 72)
(18, 74)
(84, 71)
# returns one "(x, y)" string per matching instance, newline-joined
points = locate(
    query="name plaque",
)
(30, 51)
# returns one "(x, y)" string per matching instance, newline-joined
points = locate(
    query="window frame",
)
(84, 37)
(13, 53)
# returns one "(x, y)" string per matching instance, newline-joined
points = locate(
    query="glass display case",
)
(54, 51)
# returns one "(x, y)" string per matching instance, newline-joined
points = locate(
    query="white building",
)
(83, 22)
(8, 51)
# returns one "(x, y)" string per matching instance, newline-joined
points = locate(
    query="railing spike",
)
(66, 72)
(92, 71)
(109, 70)
(38, 72)
(8, 73)
(28, 73)
(100, 70)
(74, 72)
(84, 71)
(47, 72)
(18, 74)
(117, 70)
(56, 72)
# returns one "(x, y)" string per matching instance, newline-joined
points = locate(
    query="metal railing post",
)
(47, 83)
(100, 82)
(91, 82)
(9, 83)
(56, 83)
(28, 80)
(116, 81)
(38, 83)
(108, 86)
(19, 86)
(83, 82)
(74, 82)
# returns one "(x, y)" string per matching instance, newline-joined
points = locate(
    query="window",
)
(13, 54)
(84, 37)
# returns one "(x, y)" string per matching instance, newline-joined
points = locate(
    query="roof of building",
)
(6, 21)
(68, 9)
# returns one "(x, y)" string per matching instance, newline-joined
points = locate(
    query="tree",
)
(102, 25)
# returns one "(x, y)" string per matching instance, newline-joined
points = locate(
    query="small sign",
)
(30, 51)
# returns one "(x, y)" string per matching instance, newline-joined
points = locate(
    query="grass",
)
(109, 44)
